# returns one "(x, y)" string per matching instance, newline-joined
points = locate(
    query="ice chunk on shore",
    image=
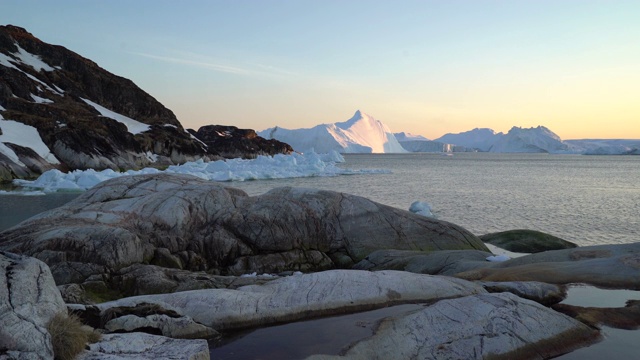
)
(263, 167)
(498, 258)
(421, 208)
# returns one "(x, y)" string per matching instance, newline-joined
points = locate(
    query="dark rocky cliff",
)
(45, 86)
(231, 142)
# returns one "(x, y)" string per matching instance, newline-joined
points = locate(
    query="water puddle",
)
(329, 335)
(617, 343)
(591, 296)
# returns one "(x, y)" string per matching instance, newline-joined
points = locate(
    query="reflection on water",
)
(301, 339)
(617, 343)
(15, 208)
(591, 296)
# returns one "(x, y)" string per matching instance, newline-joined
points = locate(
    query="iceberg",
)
(360, 134)
(421, 208)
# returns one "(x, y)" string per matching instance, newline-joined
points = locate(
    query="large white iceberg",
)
(360, 134)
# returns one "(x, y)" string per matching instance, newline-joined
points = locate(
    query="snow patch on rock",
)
(134, 126)
(32, 60)
(41, 100)
(24, 135)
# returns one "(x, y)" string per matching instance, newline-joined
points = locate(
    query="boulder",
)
(29, 299)
(186, 223)
(299, 297)
(606, 266)
(526, 241)
(545, 294)
(145, 347)
(180, 328)
(484, 326)
(444, 262)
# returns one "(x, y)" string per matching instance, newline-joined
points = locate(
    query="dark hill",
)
(43, 86)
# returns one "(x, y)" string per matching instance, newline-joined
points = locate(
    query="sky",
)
(426, 67)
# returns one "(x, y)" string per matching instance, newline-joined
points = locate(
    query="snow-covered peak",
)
(359, 118)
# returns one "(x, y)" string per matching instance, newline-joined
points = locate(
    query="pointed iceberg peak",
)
(360, 134)
(357, 117)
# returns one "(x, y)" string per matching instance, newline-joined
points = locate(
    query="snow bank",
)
(24, 135)
(133, 126)
(263, 167)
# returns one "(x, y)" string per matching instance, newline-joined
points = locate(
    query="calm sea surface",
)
(585, 199)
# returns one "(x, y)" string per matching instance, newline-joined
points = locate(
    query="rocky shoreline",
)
(159, 263)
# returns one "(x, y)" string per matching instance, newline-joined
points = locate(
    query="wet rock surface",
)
(444, 262)
(607, 266)
(497, 326)
(301, 296)
(145, 346)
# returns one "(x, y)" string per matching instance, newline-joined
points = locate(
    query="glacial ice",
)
(263, 167)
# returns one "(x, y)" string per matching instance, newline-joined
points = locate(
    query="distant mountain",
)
(532, 140)
(360, 134)
(605, 146)
(479, 139)
(517, 140)
(61, 110)
(403, 136)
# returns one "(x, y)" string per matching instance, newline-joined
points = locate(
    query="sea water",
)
(588, 200)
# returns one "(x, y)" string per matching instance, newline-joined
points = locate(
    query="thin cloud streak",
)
(207, 65)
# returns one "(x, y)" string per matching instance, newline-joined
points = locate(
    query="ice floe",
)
(263, 167)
